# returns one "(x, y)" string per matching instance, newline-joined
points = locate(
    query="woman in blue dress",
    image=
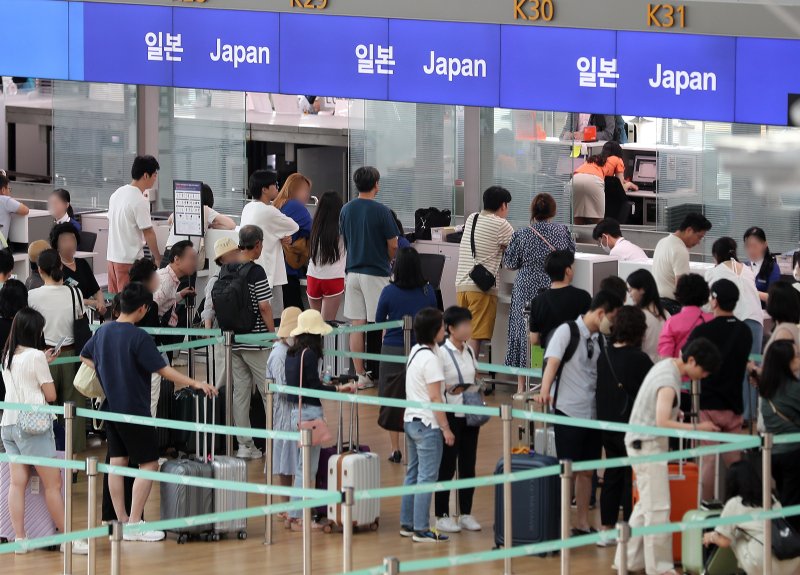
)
(527, 251)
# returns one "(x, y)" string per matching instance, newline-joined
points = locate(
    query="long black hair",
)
(309, 341)
(408, 270)
(777, 367)
(644, 280)
(768, 264)
(325, 230)
(27, 330)
(743, 481)
(64, 196)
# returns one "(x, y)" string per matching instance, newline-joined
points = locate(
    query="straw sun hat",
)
(311, 322)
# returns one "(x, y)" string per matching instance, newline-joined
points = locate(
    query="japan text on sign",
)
(445, 62)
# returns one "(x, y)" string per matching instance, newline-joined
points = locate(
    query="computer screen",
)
(645, 169)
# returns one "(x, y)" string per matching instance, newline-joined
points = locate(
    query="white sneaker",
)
(365, 381)
(79, 547)
(611, 541)
(245, 452)
(144, 536)
(447, 525)
(22, 551)
(469, 523)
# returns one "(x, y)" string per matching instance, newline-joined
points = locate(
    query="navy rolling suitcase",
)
(536, 503)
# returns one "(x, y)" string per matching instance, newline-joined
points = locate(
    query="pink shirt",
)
(677, 329)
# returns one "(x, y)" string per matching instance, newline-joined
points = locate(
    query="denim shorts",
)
(17, 442)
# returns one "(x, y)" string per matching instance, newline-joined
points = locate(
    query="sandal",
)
(296, 525)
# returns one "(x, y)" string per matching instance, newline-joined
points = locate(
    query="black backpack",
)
(427, 218)
(231, 298)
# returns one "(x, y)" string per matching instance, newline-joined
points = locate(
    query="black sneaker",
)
(429, 537)
(396, 457)
(406, 531)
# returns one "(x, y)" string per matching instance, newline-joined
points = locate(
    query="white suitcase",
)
(544, 441)
(335, 364)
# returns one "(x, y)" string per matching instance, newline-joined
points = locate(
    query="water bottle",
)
(326, 378)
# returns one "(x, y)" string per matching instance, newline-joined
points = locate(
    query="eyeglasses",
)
(590, 348)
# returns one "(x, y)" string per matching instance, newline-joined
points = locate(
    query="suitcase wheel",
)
(374, 526)
(242, 535)
(214, 537)
(183, 538)
(327, 528)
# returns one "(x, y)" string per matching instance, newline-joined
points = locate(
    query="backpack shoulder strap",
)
(569, 352)
(415, 354)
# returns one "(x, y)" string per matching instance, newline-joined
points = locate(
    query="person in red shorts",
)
(326, 268)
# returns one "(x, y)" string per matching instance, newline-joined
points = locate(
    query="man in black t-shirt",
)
(720, 394)
(559, 304)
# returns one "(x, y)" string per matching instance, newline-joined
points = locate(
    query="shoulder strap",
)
(781, 415)
(415, 354)
(455, 363)
(74, 307)
(472, 236)
(300, 396)
(572, 346)
(544, 239)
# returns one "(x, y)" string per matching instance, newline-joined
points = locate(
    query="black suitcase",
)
(166, 401)
(536, 503)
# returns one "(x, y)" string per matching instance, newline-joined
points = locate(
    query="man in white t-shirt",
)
(609, 235)
(129, 223)
(278, 229)
(671, 256)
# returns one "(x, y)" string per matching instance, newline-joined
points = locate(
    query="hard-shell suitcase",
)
(544, 440)
(335, 364)
(355, 467)
(535, 503)
(37, 519)
(696, 558)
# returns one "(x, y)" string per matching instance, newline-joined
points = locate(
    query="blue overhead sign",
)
(766, 76)
(445, 62)
(35, 39)
(676, 76)
(339, 56)
(226, 50)
(560, 69)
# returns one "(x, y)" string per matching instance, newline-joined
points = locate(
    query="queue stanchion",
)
(624, 537)
(116, 547)
(695, 419)
(408, 325)
(766, 494)
(189, 316)
(505, 414)
(228, 343)
(391, 566)
(268, 463)
(305, 448)
(91, 506)
(566, 499)
(347, 528)
(69, 432)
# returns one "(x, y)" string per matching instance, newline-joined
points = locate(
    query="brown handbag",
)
(320, 433)
(297, 254)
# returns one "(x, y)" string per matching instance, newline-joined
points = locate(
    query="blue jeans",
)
(424, 445)
(749, 393)
(309, 412)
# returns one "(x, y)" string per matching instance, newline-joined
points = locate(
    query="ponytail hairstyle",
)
(64, 196)
(27, 330)
(50, 264)
(724, 249)
(768, 263)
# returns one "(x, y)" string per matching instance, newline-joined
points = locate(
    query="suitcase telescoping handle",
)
(206, 454)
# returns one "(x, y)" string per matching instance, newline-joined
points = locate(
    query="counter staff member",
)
(608, 234)
(129, 223)
(576, 123)
(8, 206)
(671, 257)
(60, 207)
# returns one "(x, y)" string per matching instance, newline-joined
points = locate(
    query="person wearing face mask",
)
(571, 375)
(608, 234)
(762, 262)
(643, 293)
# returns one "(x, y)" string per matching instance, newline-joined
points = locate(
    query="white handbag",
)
(87, 383)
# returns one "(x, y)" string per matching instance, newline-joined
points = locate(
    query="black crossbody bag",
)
(482, 277)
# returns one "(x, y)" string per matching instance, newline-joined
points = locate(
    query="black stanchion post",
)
(69, 432)
(228, 343)
(408, 325)
(189, 317)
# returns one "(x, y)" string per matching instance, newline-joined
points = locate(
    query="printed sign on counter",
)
(764, 82)
(676, 76)
(35, 38)
(188, 208)
(339, 56)
(578, 74)
(445, 62)
(226, 50)
(129, 44)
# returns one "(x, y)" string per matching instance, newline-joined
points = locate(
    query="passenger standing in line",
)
(284, 452)
(25, 368)
(144, 271)
(621, 369)
(492, 235)
(780, 407)
(748, 309)
(183, 263)
(561, 303)
(54, 301)
(226, 251)
(60, 207)
(276, 228)
(249, 360)
(762, 261)
(408, 293)
(303, 360)
(785, 313)
(720, 400)
(34, 279)
(129, 223)
(124, 356)
(426, 430)
(13, 297)
(692, 294)
(589, 184)
(644, 294)
(8, 207)
(291, 201)
(326, 266)
(370, 238)
(609, 235)
(657, 405)
(460, 367)
(671, 257)
(6, 265)
(527, 252)
(571, 391)
(78, 273)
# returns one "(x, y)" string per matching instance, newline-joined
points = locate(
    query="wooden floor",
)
(284, 556)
